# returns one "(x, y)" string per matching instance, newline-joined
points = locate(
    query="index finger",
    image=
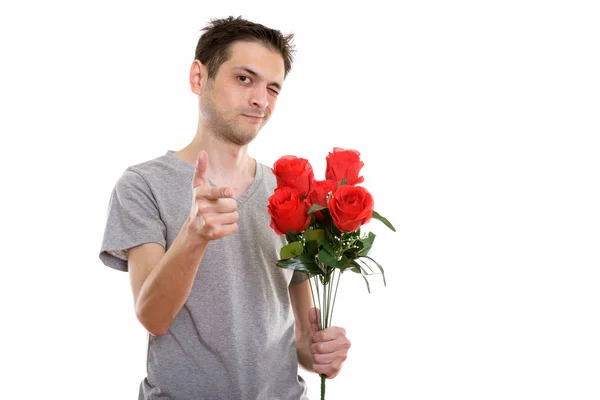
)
(215, 193)
(200, 178)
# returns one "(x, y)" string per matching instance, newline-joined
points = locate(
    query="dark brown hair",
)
(214, 45)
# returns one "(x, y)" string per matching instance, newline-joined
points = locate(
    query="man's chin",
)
(244, 138)
(249, 139)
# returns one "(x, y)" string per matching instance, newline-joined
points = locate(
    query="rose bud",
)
(318, 194)
(344, 164)
(351, 207)
(294, 172)
(287, 211)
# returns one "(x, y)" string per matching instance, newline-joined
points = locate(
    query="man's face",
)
(241, 97)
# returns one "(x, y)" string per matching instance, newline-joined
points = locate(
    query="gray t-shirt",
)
(234, 337)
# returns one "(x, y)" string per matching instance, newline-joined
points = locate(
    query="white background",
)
(478, 123)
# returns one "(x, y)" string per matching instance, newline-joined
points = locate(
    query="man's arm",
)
(161, 281)
(301, 304)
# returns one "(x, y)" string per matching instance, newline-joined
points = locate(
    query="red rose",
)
(294, 172)
(318, 194)
(288, 212)
(344, 164)
(319, 191)
(351, 207)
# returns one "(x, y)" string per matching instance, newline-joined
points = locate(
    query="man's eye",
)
(275, 92)
(243, 79)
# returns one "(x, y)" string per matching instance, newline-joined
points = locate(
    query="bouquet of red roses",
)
(321, 220)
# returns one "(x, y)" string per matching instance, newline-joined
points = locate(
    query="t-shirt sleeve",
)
(133, 218)
(298, 277)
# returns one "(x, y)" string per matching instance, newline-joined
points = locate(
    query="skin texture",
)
(233, 108)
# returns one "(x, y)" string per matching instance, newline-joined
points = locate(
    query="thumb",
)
(200, 178)
(314, 315)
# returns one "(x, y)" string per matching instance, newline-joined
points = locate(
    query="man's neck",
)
(228, 164)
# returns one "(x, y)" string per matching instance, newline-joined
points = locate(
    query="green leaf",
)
(331, 260)
(351, 254)
(327, 247)
(302, 263)
(368, 240)
(314, 234)
(358, 269)
(311, 248)
(347, 266)
(292, 237)
(291, 250)
(315, 207)
(382, 219)
(380, 268)
(367, 243)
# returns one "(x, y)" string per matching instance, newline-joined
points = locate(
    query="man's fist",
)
(213, 214)
(329, 347)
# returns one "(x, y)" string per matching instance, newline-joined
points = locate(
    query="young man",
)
(192, 229)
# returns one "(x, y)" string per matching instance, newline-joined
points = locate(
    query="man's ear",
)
(198, 77)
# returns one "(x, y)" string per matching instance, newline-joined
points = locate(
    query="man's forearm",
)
(168, 285)
(304, 354)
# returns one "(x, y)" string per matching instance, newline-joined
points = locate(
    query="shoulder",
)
(152, 172)
(151, 167)
(137, 175)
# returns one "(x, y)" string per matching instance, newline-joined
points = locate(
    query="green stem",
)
(325, 315)
(325, 307)
(319, 320)
(313, 296)
(329, 303)
(337, 285)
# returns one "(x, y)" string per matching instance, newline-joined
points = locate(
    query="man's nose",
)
(259, 97)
